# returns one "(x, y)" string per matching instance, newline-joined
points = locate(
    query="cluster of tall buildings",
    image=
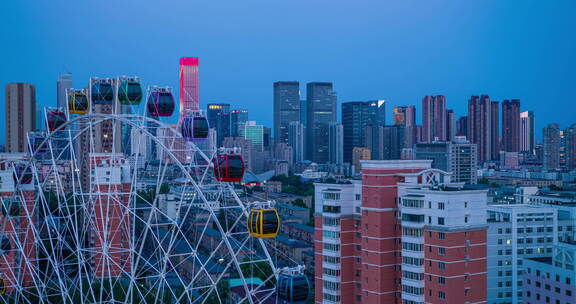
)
(499, 132)
(308, 126)
(315, 117)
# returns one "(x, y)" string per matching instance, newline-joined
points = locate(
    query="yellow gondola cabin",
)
(263, 221)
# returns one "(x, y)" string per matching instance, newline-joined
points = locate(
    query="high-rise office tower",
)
(189, 87)
(64, 83)
(570, 146)
(438, 152)
(20, 115)
(296, 140)
(321, 104)
(411, 135)
(463, 161)
(255, 134)
(405, 116)
(238, 119)
(435, 252)
(511, 125)
(481, 126)
(219, 119)
(457, 157)
(377, 111)
(450, 125)
(551, 142)
(527, 141)
(385, 142)
(267, 141)
(286, 108)
(374, 142)
(335, 144)
(354, 121)
(462, 126)
(303, 112)
(392, 142)
(40, 121)
(433, 118)
(356, 116)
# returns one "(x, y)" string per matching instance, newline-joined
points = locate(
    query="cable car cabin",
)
(78, 103)
(25, 177)
(292, 288)
(161, 104)
(102, 93)
(130, 92)
(194, 128)
(229, 168)
(55, 119)
(263, 223)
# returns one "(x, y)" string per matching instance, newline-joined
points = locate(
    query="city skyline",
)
(526, 68)
(322, 152)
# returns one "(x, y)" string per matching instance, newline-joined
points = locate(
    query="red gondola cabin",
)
(56, 119)
(229, 168)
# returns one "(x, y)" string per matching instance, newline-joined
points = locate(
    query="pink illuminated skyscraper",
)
(189, 97)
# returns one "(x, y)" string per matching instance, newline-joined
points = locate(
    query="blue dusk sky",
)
(398, 51)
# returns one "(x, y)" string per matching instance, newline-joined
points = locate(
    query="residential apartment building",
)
(403, 234)
(20, 109)
(443, 244)
(337, 220)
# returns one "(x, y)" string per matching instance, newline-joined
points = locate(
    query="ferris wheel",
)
(114, 206)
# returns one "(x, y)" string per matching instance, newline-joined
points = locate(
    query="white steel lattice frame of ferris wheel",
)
(234, 239)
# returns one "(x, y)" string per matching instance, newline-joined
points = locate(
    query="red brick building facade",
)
(404, 234)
